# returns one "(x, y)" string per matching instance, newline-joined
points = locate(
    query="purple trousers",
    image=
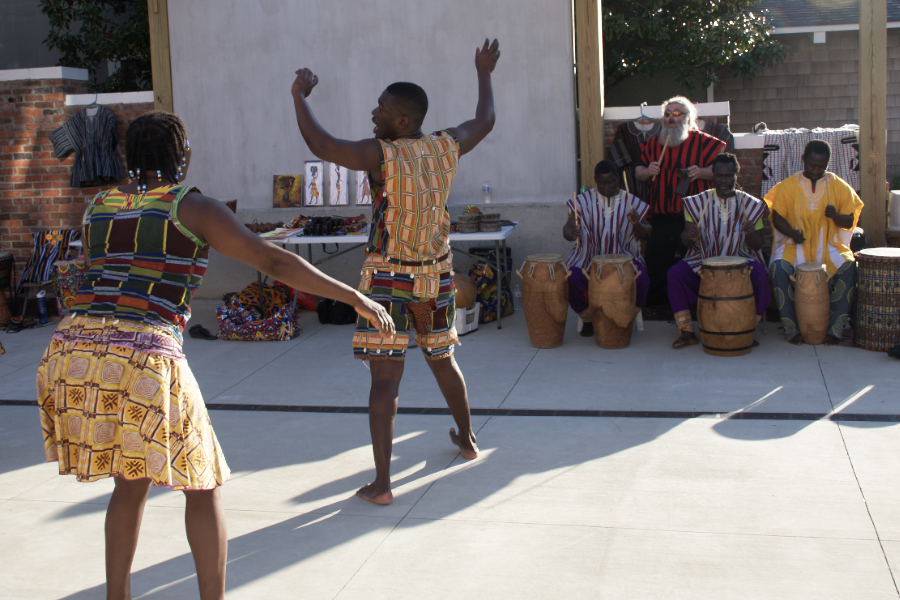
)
(684, 286)
(578, 288)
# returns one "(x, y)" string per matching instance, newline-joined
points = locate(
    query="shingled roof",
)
(819, 13)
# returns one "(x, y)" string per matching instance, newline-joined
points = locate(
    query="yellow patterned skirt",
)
(117, 399)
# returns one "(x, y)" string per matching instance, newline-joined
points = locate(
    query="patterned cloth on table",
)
(117, 399)
(783, 153)
(699, 149)
(841, 286)
(254, 317)
(804, 209)
(144, 264)
(434, 319)
(625, 152)
(68, 275)
(93, 135)
(49, 247)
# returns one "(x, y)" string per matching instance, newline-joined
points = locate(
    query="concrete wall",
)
(233, 63)
(817, 86)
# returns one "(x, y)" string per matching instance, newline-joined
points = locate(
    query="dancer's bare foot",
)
(830, 340)
(797, 340)
(687, 338)
(467, 446)
(376, 494)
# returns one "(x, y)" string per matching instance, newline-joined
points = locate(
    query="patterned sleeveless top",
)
(144, 265)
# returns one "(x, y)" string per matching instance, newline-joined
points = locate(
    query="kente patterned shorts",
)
(117, 399)
(434, 320)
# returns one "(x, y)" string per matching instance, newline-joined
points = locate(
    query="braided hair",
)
(727, 159)
(155, 141)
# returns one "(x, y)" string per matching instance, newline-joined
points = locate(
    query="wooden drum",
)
(812, 301)
(545, 298)
(611, 293)
(726, 309)
(6, 266)
(877, 325)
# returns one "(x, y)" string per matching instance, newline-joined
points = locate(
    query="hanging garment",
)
(783, 153)
(625, 152)
(721, 131)
(93, 136)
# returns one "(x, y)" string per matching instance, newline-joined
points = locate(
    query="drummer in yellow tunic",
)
(814, 213)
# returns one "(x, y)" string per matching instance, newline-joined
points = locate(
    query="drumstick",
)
(703, 212)
(575, 207)
(662, 154)
(627, 193)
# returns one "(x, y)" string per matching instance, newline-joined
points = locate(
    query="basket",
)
(490, 226)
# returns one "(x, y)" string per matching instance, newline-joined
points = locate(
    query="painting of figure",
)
(314, 176)
(287, 191)
(338, 195)
(363, 193)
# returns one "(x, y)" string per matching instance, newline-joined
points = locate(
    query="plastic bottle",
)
(42, 307)
(486, 188)
(517, 298)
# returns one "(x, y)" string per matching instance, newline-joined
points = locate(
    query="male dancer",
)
(605, 220)
(408, 265)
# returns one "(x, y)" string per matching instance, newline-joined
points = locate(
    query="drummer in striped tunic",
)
(604, 220)
(721, 221)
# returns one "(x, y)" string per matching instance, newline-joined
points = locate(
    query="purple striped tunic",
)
(605, 228)
(721, 231)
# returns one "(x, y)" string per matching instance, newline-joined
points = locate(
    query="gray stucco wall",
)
(233, 63)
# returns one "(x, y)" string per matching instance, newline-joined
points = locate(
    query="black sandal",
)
(199, 332)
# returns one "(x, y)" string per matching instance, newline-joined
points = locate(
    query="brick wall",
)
(34, 184)
(817, 86)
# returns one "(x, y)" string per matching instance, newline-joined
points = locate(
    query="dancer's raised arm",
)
(470, 133)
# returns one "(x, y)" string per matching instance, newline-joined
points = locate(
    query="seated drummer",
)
(609, 221)
(721, 221)
(814, 213)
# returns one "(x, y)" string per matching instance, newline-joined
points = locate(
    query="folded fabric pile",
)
(254, 316)
(319, 226)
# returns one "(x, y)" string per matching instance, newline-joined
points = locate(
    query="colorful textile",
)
(605, 228)
(804, 209)
(410, 222)
(699, 149)
(684, 288)
(434, 320)
(841, 286)
(114, 404)
(722, 227)
(68, 275)
(144, 265)
(93, 135)
(486, 284)
(783, 153)
(49, 247)
(625, 152)
(721, 131)
(254, 317)
(579, 285)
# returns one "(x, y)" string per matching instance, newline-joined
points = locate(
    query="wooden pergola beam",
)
(160, 62)
(589, 77)
(872, 123)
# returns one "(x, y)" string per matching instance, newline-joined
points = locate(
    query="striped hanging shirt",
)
(722, 226)
(144, 265)
(605, 228)
(92, 134)
(698, 149)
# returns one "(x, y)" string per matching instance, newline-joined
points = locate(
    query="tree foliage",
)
(91, 33)
(689, 39)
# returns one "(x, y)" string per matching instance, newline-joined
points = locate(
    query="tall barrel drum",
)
(545, 298)
(877, 325)
(612, 293)
(812, 301)
(726, 309)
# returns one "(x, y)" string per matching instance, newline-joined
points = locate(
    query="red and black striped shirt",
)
(699, 149)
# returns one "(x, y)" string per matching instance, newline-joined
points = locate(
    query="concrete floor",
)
(556, 507)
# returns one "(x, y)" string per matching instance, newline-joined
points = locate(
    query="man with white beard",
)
(685, 169)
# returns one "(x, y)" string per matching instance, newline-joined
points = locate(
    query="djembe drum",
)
(611, 294)
(68, 275)
(892, 235)
(812, 301)
(877, 324)
(726, 309)
(545, 298)
(6, 266)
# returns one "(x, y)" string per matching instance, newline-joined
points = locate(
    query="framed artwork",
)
(338, 194)
(315, 177)
(363, 193)
(287, 191)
